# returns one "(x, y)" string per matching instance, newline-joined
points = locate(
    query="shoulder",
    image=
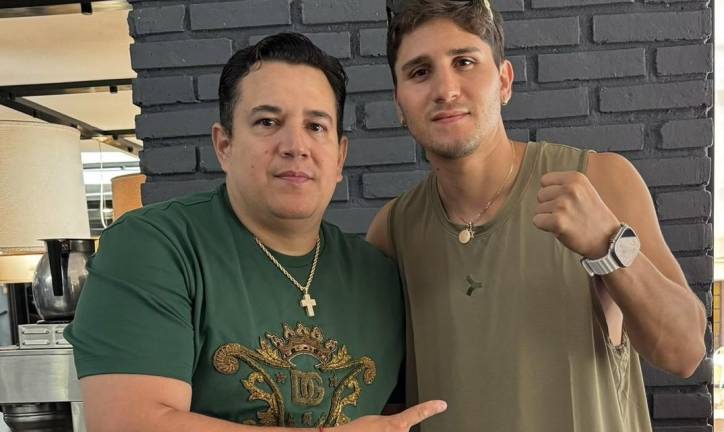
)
(611, 171)
(354, 249)
(171, 213)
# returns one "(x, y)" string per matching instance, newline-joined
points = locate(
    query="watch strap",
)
(600, 266)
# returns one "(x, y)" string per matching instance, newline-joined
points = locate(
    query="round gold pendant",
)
(465, 236)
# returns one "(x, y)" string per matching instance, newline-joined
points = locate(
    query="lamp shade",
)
(42, 194)
(126, 190)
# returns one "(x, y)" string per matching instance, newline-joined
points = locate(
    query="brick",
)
(674, 171)
(334, 44)
(380, 115)
(654, 377)
(540, 4)
(508, 5)
(681, 405)
(390, 184)
(369, 78)
(342, 11)
(542, 32)
(352, 220)
(679, 134)
(163, 90)
(547, 104)
(153, 20)
(208, 162)
(381, 151)
(520, 72)
(519, 134)
(600, 138)
(592, 65)
(683, 428)
(656, 96)
(652, 27)
(684, 204)
(373, 42)
(207, 87)
(152, 191)
(690, 237)
(176, 123)
(183, 53)
(350, 117)
(698, 270)
(341, 192)
(688, 59)
(239, 14)
(168, 160)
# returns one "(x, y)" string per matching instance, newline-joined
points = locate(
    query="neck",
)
(293, 237)
(468, 184)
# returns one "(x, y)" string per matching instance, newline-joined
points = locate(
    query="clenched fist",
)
(570, 208)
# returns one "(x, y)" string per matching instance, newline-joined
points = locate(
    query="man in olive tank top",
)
(536, 273)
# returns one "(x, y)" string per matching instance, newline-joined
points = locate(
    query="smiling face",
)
(449, 89)
(284, 157)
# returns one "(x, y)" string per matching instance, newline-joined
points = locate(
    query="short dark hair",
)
(292, 48)
(474, 16)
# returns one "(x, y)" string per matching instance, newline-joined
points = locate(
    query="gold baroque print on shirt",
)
(307, 387)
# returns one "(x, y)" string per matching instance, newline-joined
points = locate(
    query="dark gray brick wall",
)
(630, 76)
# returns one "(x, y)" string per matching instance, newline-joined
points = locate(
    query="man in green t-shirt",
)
(240, 309)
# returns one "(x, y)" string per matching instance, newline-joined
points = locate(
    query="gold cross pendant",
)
(308, 303)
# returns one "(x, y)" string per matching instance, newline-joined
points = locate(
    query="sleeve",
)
(134, 313)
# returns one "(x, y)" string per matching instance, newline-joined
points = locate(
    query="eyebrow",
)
(426, 59)
(266, 108)
(277, 110)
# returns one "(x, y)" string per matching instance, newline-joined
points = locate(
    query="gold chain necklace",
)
(467, 233)
(307, 302)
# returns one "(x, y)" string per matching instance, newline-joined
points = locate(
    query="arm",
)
(662, 316)
(378, 232)
(141, 403)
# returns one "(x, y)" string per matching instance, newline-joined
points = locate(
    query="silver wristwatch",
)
(623, 249)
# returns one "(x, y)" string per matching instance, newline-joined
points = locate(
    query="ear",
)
(222, 145)
(507, 75)
(398, 110)
(343, 147)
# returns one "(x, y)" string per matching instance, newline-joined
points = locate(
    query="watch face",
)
(627, 247)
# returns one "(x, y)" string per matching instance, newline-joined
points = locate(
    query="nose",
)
(293, 142)
(447, 87)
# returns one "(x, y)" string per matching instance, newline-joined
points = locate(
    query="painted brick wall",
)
(631, 76)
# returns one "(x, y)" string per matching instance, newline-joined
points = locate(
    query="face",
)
(284, 157)
(449, 89)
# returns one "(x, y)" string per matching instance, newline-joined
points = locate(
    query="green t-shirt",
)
(180, 289)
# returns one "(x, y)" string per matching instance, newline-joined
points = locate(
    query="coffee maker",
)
(40, 390)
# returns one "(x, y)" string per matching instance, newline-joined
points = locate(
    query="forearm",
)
(168, 419)
(664, 320)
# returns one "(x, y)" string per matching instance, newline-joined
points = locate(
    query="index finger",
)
(557, 178)
(421, 412)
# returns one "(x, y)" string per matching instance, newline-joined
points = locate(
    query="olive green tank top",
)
(507, 328)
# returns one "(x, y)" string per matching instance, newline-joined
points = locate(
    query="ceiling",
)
(58, 65)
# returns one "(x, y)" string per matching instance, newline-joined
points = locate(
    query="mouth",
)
(449, 116)
(296, 177)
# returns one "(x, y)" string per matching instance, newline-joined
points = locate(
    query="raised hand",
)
(571, 209)
(401, 422)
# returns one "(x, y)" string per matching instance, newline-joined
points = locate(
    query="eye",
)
(419, 73)
(317, 127)
(266, 122)
(464, 62)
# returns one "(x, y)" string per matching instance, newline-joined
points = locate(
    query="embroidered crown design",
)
(303, 340)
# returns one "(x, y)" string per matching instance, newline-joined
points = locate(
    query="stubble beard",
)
(453, 150)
